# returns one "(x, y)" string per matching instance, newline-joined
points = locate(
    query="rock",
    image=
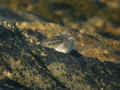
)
(24, 66)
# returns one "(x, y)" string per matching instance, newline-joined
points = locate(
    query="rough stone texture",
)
(26, 65)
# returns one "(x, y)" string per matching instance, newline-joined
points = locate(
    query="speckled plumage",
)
(63, 43)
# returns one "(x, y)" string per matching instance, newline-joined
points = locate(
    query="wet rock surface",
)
(26, 65)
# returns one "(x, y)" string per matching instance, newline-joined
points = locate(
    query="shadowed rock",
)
(26, 65)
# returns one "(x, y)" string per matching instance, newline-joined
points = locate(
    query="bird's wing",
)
(54, 41)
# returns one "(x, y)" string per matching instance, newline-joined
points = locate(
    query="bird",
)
(63, 43)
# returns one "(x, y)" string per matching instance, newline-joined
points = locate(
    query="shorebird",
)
(63, 43)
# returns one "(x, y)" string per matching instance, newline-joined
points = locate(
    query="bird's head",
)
(68, 34)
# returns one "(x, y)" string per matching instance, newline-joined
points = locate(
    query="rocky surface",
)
(26, 65)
